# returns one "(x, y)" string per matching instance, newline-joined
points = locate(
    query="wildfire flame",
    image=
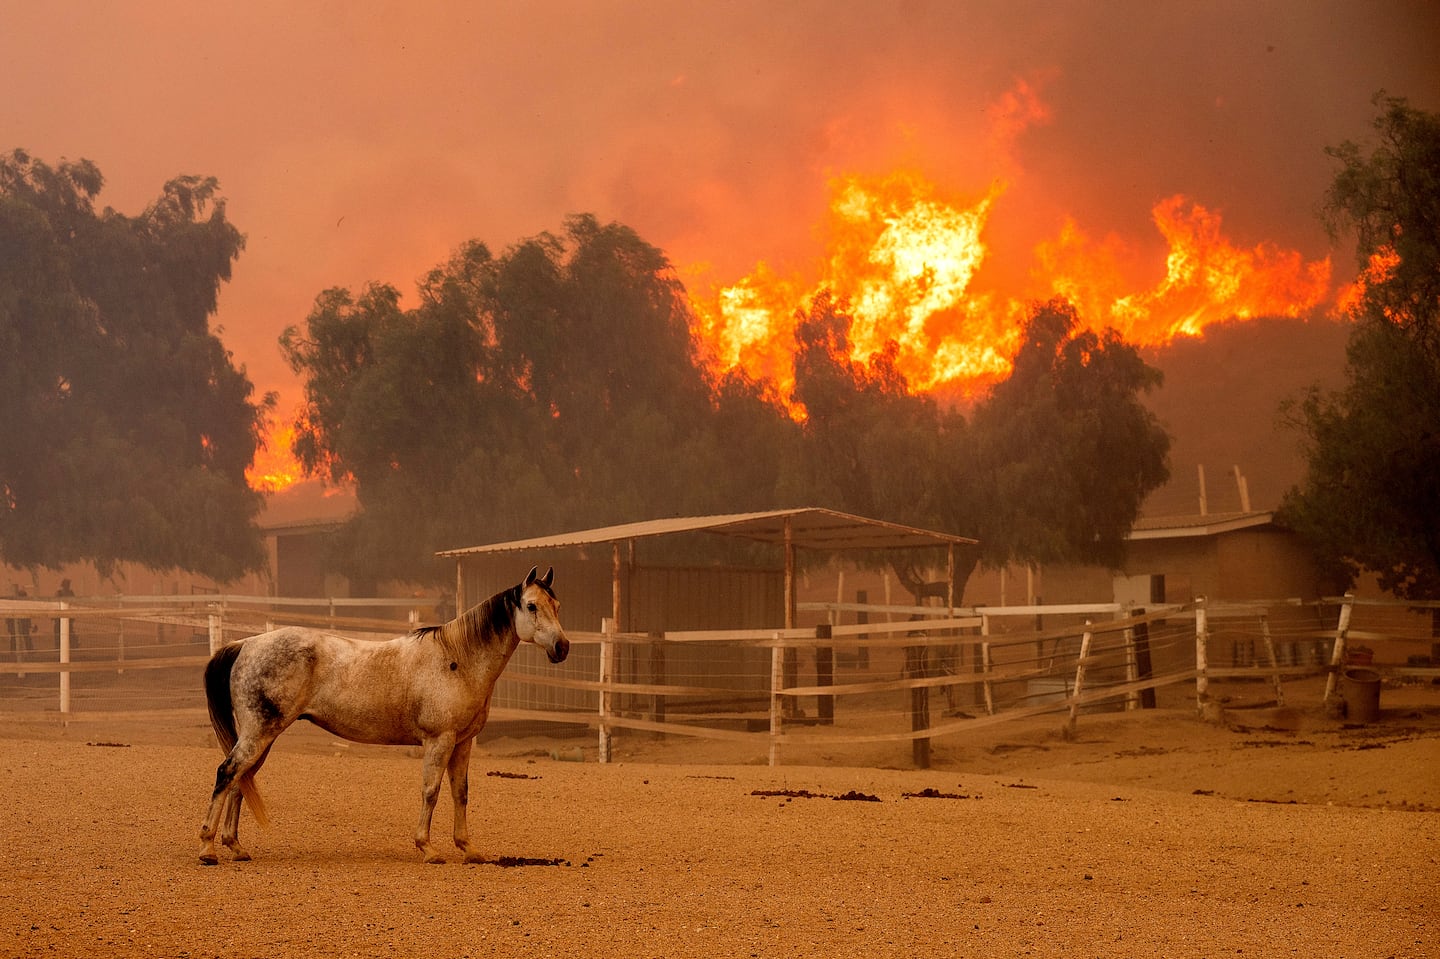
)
(1377, 270)
(905, 261)
(275, 467)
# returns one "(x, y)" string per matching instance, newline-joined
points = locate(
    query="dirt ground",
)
(1148, 834)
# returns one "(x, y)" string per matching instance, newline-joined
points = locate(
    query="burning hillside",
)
(909, 262)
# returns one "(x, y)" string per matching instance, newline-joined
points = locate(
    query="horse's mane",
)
(480, 625)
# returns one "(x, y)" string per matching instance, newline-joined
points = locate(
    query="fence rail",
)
(868, 675)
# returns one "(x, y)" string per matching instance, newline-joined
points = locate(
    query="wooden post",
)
(64, 658)
(1202, 657)
(607, 670)
(1132, 671)
(616, 621)
(950, 596)
(1143, 667)
(215, 633)
(1337, 656)
(657, 677)
(1080, 666)
(836, 617)
(862, 618)
(1274, 662)
(460, 604)
(790, 655)
(825, 674)
(987, 665)
(777, 709)
(919, 706)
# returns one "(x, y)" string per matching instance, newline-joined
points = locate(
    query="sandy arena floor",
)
(1148, 834)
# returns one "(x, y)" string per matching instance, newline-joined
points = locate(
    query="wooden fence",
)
(865, 674)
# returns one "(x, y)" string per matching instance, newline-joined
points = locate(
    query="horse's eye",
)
(531, 607)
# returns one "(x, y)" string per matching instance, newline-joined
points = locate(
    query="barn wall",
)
(1264, 564)
(1188, 564)
(652, 600)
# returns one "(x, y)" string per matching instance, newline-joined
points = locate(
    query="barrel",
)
(1361, 689)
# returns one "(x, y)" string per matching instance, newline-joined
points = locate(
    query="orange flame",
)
(1377, 269)
(275, 467)
(905, 261)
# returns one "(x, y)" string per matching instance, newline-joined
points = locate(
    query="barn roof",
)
(1202, 524)
(810, 528)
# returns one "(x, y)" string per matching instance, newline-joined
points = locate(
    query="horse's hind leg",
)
(243, 758)
(230, 830)
(437, 757)
(460, 792)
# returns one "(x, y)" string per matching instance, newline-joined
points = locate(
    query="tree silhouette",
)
(1371, 496)
(126, 429)
(555, 386)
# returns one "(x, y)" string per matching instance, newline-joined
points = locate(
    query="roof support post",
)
(950, 596)
(789, 545)
(615, 624)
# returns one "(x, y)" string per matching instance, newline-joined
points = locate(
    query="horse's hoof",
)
(474, 858)
(241, 855)
(435, 859)
(209, 859)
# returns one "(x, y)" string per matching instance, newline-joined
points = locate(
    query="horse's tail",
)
(222, 719)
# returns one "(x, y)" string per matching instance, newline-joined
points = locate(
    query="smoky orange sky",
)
(360, 142)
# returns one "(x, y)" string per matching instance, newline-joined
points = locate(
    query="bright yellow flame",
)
(275, 467)
(902, 259)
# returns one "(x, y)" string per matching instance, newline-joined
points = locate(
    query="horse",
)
(429, 688)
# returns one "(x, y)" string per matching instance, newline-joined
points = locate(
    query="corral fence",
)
(865, 674)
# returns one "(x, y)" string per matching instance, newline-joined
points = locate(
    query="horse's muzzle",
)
(559, 651)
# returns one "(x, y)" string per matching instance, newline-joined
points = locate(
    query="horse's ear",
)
(548, 578)
(531, 578)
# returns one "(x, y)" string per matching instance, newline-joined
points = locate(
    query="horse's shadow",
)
(312, 857)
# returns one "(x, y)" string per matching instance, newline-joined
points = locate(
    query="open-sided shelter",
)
(604, 574)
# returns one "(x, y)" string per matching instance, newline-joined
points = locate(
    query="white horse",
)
(430, 688)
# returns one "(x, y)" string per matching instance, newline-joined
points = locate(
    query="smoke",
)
(358, 143)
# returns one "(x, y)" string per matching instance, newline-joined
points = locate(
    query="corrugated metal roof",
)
(810, 528)
(1199, 524)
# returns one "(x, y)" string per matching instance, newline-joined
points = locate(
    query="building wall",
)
(1264, 563)
(651, 599)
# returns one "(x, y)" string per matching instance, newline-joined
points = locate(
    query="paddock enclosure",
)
(865, 684)
(1067, 822)
(1147, 834)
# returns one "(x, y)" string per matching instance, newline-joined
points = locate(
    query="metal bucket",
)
(1359, 656)
(1361, 689)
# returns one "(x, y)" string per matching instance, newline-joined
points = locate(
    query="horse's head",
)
(537, 616)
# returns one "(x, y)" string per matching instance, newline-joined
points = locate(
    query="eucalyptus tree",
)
(1370, 499)
(126, 427)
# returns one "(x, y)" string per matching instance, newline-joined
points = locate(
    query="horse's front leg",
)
(460, 793)
(437, 757)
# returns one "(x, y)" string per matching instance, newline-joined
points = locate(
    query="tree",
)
(1370, 499)
(870, 445)
(126, 429)
(1052, 466)
(1062, 451)
(557, 385)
